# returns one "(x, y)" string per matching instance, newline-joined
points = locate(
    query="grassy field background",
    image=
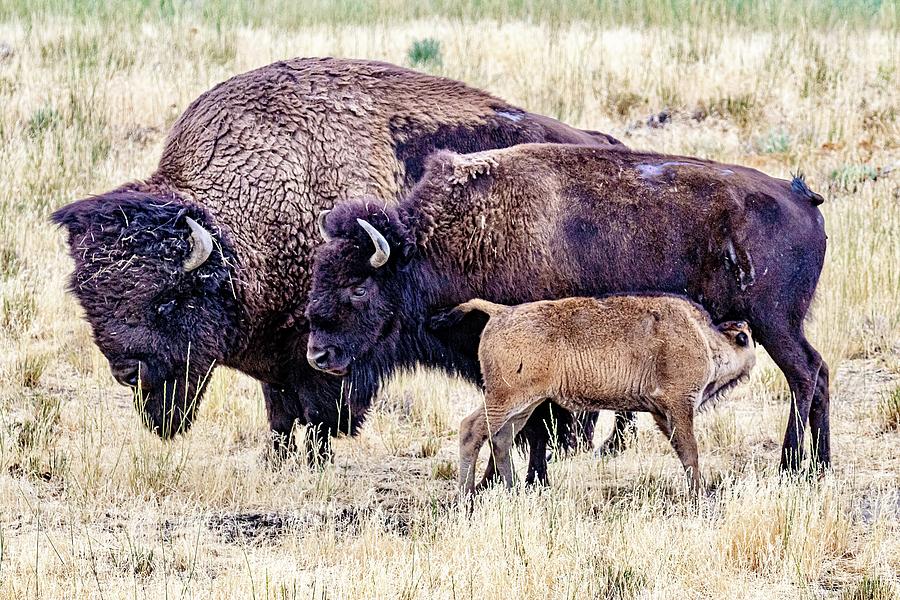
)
(93, 506)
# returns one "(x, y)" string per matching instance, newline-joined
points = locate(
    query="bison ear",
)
(407, 252)
(147, 219)
(107, 212)
(78, 216)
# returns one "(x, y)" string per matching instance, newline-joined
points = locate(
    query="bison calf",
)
(659, 354)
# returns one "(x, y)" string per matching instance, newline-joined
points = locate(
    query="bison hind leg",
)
(807, 376)
(472, 435)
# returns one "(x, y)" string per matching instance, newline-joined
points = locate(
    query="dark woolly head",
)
(154, 279)
(356, 283)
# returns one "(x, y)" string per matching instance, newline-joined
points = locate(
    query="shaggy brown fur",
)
(659, 354)
(253, 161)
(540, 222)
(268, 149)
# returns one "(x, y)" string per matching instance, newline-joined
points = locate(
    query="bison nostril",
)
(318, 359)
(321, 358)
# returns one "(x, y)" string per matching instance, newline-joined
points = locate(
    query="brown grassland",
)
(91, 505)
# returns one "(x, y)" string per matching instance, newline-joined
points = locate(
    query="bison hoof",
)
(615, 444)
(282, 449)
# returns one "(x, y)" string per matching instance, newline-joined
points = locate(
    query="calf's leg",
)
(501, 449)
(547, 418)
(571, 432)
(679, 428)
(472, 434)
(503, 441)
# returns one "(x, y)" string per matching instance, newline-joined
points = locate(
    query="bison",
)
(538, 222)
(659, 354)
(206, 263)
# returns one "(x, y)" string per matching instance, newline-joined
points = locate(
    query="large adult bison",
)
(538, 222)
(206, 262)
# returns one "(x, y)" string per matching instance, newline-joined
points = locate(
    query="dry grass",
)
(92, 506)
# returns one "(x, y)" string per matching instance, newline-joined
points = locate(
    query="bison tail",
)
(799, 187)
(489, 308)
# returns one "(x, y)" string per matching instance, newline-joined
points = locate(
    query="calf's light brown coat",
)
(659, 354)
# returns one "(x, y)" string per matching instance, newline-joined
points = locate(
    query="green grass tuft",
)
(41, 121)
(850, 178)
(871, 588)
(775, 142)
(425, 53)
(889, 411)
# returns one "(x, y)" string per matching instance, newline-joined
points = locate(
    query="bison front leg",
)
(537, 459)
(583, 425)
(327, 411)
(286, 407)
(284, 412)
(536, 435)
(624, 427)
(321, 403)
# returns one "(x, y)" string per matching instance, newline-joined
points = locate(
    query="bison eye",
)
(166, 308)
(741, 339)
(358, 293)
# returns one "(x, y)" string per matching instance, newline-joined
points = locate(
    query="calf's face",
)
(740, 340)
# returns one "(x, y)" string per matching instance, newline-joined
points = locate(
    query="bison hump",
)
(466, 167)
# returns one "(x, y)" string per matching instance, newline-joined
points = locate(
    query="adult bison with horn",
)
(538, 221)
(206, 262)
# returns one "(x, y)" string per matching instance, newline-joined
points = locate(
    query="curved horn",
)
(382, 248)
(325, 236)
(201, 246)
